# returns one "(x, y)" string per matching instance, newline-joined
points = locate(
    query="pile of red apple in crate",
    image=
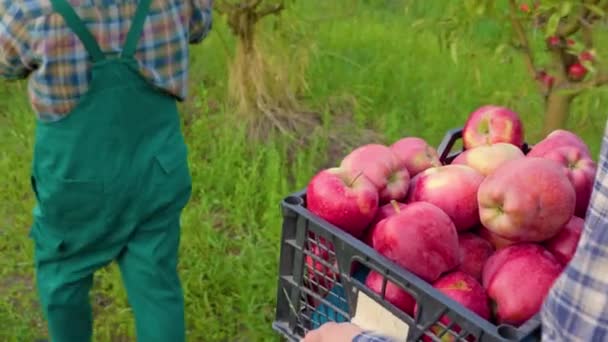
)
(491, 230)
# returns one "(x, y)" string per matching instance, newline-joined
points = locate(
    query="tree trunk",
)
(557, 108)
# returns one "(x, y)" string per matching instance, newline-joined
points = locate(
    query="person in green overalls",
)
(110, 171)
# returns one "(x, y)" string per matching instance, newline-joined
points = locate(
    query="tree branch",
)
(224, 7)
(601, 79)
(587, 34)
(254, 4)
(572, 25)
(523, 40)
(584, 17)
(271, 9)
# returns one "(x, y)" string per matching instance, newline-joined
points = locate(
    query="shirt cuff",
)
(370, 336)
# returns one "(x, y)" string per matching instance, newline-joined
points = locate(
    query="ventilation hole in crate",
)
(294, 200)
(447, 332)
(508, 332)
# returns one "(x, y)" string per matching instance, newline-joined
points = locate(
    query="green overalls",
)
(111, 180)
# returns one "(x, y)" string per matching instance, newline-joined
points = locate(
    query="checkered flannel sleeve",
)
(16, 60)
(201, 20)
(576, 308)
(369, 336)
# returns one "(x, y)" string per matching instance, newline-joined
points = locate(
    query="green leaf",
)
(595, 9)
(419, 22)
(481, 8)
(567, 91)
(500, 49)
(589, 66)
(552, 24)
(566, 8)
(471, 6)
(454, 52)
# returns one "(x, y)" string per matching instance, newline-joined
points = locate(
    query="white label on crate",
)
(371, 315)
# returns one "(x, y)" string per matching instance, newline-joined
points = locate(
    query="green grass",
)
(366, 60)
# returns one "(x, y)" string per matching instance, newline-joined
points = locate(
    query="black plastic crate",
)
(323, 269)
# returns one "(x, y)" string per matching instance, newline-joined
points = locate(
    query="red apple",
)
(487, 158)
(496, 240)
(517, 280)
(554, 41)
(564, 244)
(415, 154)
(453, 188)
(320, 274)
(392, 293)
(376, 161)
(420, 238)
(348, 202)
(586, 56)
(581, 171)
(468, 292)
(558, 138)
(397, 187)
(526, 199)
(474, 251)
(380, 165)
(577, 71)
(546, 79)
(492, 124)
(383, 212)
(319, 270)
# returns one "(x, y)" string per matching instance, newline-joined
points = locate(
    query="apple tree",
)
(262, 82)
(566, 62)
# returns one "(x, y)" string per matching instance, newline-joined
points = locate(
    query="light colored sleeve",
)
(201, 20)
(371, 336)
(16, 61)
(576, 308)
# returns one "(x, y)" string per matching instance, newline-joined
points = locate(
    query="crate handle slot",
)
(294, 200)
(508, 332)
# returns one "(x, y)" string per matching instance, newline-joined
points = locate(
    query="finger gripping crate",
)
(322, 272)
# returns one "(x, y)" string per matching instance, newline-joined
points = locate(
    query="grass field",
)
(368, 61)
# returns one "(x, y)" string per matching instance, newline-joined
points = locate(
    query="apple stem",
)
(355, 179)
(395, 206)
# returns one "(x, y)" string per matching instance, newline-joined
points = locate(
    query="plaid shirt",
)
(576, 308)
(35, 42)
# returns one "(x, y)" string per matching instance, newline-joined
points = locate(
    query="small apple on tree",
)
(569, 28)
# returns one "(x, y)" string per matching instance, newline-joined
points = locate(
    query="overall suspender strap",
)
(137, 26)
(79, 28)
